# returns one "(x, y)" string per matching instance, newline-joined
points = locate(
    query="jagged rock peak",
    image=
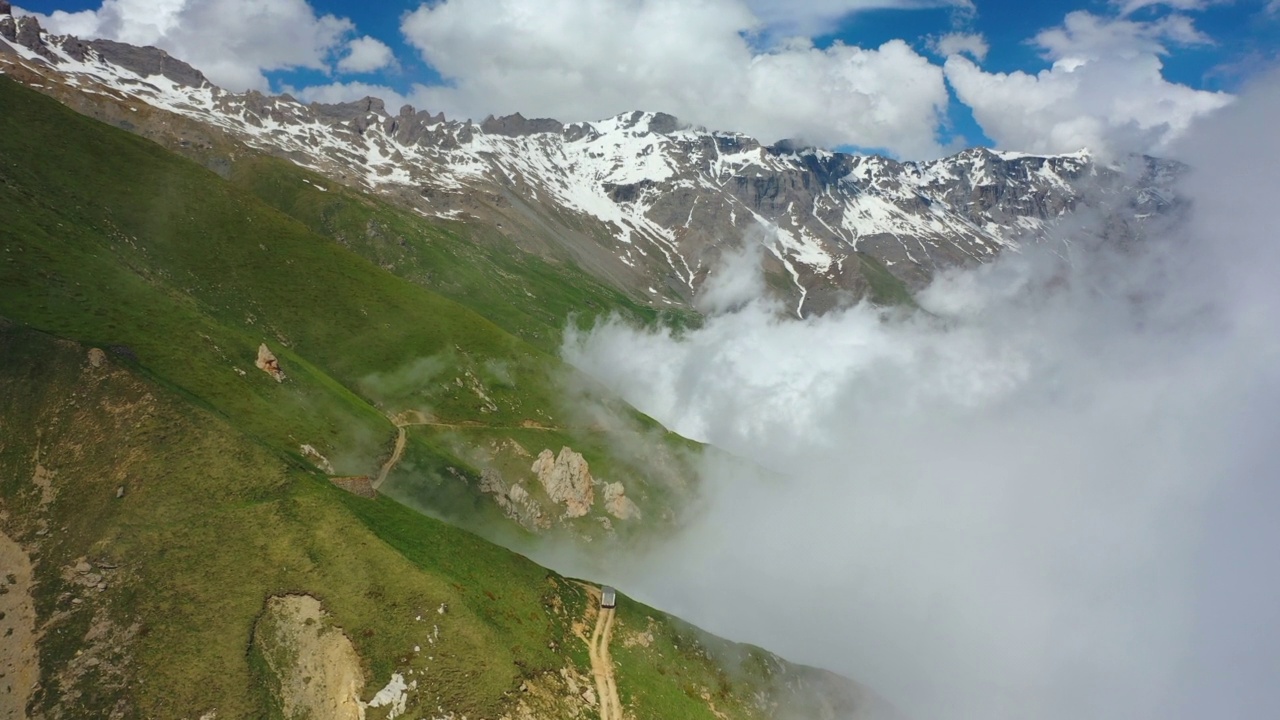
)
(142, 61)
(658, 123)
(351, 110)
(518, 126)
(148, 61)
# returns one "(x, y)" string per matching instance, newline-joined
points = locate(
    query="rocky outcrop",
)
(8, 26)
(148, 61)
(567, 479)
(516, 502)
(617, 504)
(97, 358)
(519, 126)
(309, 452)
(268, 363)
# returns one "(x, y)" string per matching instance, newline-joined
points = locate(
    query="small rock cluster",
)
(566, 478)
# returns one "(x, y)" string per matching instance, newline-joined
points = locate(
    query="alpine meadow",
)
(639, 360)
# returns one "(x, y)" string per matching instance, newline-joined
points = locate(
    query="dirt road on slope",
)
(602, 662)
(417, 419)
(396, 454)
(611, 681)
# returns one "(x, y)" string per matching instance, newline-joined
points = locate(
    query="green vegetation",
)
(212, 524)
(173, 466)
(523, 293)
(886, 288)
(122, 244)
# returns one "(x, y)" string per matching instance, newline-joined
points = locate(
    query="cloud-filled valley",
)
(1036, 499)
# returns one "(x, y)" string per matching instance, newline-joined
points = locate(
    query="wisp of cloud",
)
(1052, 495)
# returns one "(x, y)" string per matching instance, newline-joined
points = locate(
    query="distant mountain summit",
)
(641, 200)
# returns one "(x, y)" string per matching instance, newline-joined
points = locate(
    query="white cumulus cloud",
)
(1053, 497)
(366, 54)
(234, 42)
(588, 59)
(1105, 90)
(972, 44)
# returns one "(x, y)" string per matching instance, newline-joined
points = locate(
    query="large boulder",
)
(268, 363)
(567, 480)
(617, 504)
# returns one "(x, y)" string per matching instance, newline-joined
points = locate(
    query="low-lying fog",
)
(1056, 495)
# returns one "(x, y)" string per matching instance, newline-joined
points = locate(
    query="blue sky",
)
(1150, 67)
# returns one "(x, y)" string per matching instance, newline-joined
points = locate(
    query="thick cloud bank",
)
(1053, 498)
(1105, 90)
(588, 59)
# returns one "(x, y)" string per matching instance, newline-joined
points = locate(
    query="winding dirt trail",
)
(611, 680)
(401, 438)
(602, 662)
(415, 419)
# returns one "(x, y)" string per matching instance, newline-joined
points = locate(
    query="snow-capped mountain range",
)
(641, 200)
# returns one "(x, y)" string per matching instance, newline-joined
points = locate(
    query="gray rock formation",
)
(517, 126)
(148, 61)
(516, 502)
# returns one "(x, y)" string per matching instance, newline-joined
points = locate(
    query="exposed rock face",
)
(147, 61)
(315, 663)
(8, 26)
(516, 503)
(97, 358)
(567, 480)
(617, 504)
(312, 454)
(268, 363)
(518, 126)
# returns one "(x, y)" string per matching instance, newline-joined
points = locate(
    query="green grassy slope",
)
(523, 293)
(212, 523)
(112, 240)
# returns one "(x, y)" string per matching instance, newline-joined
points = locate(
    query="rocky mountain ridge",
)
(641, 200)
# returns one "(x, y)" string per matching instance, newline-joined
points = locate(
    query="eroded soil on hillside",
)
(314, 663)
(19, 658)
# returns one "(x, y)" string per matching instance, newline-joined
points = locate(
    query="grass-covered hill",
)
(112, 240)
(163, 543)
(170, 550)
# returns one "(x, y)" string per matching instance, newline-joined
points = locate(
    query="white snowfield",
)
(661, 196)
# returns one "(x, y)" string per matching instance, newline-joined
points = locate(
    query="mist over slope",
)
(1048, 496)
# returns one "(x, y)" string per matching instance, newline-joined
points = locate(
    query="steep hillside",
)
(114, 241)
(641, 201)
(162, 564)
